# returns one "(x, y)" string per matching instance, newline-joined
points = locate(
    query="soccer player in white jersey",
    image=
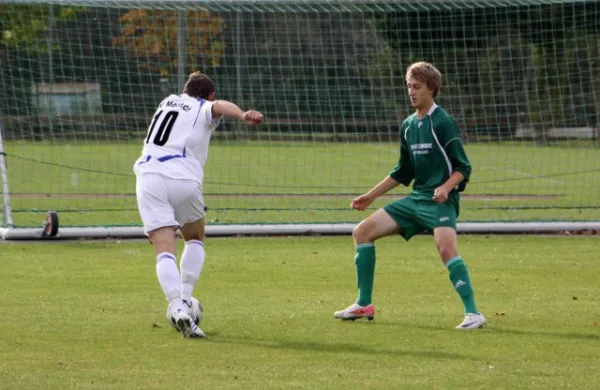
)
(169, 177)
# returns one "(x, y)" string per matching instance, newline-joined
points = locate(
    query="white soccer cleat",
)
(472, 321)
(194, 309)
(355, 311)
(186, 325)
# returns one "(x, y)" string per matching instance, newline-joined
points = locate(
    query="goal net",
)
(80, 81)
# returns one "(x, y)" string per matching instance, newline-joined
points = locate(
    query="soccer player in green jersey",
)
(431, 156)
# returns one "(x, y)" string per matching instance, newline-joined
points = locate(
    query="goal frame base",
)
(297, 230)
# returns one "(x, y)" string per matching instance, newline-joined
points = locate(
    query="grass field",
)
(90, 315)
(92, 183)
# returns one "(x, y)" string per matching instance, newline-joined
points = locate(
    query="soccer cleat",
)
(355, 311)
(186, 325)
(190, 310)
(472, 321)
(194, 309)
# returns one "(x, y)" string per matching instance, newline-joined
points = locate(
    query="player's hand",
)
(440, 195)
(253, 118)
(362, 202)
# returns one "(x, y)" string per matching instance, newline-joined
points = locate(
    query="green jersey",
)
(430, 151)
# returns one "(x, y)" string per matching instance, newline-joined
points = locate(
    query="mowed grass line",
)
(281, 209)
(570, 174)
(90, 315)
(299, 167)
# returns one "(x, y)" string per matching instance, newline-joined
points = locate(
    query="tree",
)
(151, 37)
(27, 27)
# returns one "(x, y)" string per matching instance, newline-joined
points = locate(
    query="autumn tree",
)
(151, 37)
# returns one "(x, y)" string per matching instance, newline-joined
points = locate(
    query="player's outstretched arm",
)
(231, 110)
(363, 201)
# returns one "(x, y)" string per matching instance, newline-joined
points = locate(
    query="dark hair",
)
(199, 86)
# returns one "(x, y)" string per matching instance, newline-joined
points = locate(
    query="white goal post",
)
(301, 229)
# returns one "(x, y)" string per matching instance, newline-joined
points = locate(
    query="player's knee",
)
(163, 240)
(356, 232)
(447, 251)
(361, 233)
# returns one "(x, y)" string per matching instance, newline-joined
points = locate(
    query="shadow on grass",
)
(566, 335)
(294, 345)
(494, 329)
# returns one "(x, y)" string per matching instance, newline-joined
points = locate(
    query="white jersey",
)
(177, 142)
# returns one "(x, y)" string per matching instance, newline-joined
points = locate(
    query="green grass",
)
(92, 173)
(90, 315)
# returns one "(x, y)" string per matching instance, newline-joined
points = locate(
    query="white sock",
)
(168, 277)
(192, 261)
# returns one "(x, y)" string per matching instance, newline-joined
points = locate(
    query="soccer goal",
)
(80, 80)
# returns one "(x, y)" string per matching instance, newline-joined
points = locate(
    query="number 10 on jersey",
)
(164, 130)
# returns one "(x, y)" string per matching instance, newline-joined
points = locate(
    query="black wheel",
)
(50, 225)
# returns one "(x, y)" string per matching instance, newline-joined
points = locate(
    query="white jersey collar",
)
(432, 109)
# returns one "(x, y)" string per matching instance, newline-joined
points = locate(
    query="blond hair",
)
(426, 73)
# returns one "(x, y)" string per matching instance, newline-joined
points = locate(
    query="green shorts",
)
(416, 216)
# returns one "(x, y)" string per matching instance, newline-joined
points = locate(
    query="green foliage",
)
(503, 66)
(27, 27)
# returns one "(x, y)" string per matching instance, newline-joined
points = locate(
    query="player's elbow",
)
(464, 170)
(402, 179)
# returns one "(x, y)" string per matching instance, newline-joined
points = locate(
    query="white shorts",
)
(163, 201)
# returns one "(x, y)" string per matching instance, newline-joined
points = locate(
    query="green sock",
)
(459, 275)
(365, 272)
